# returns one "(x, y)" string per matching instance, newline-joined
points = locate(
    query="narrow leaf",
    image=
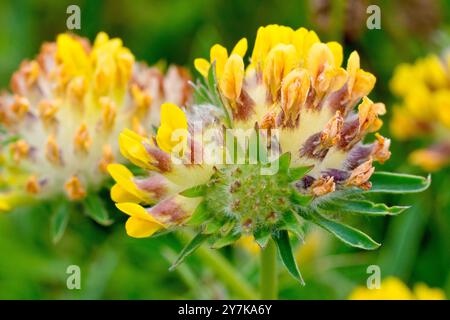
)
(212, 80)
(290, 222)
(228, 239)
(301, 199)
(196, 242)
(262, 236)
(387, 182)
(213, 226)
(200, 215)
(95, 209)
(194, 192)
(281, 238)
(360, 207)
(346, 234)
(59, 221)
(296, 174)
(263, 152)
(284, 161)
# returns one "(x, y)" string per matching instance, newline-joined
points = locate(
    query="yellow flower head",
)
(67, 108)
(424, 109)
(394, 289)
(296, 83)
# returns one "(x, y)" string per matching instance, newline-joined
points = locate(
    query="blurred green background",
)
(416, 245)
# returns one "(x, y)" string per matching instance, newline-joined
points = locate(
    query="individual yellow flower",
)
(424, 110)
(67, 108)
(263, 148)
(394, 289)
(172, 119)
(219, 56)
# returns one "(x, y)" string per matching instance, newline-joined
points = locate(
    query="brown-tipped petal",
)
(74, 189)
(107, 158)
(47, 111)
(360, 175)
(20, 150)
(380, 150)
(52, 151)
(82, 140)
(142, 100)
(331, 135)
(76, 89)
(323, 186)
(32, 185)
(109, 112)
(19, 107)
(294, 91)
(368, 113)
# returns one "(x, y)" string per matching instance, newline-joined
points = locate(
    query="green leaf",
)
(301, 199)
(194, 192)
(201, 94)
(387, 182)
(296, 174)
(281, 238)
(228, 239)
(59, 220)
(262, 236)
(213, 226)
(212, 81)
(263, 152)
(290, 222)
(95, 208)
(196, 242)
(283, 162)
(200, 215)
(365, 207)
(346, 234)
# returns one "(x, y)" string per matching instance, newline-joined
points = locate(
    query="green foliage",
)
(346, 234)
(281, 238)
(388, 182)
(356, 206)
(95, 208)
(59, 220)
(196, 242)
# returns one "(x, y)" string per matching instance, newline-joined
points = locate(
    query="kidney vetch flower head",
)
(67, 107)
(424, 111)
(263, 149)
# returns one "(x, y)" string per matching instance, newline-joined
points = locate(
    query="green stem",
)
(224, 270)
(227, 273)
(269, 279)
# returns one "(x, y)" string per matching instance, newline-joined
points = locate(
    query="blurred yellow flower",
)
(394, 289)
(67, 108)
(424, 110)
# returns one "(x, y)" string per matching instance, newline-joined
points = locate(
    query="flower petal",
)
(240, 48)
(138, 228)
(202, 66)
